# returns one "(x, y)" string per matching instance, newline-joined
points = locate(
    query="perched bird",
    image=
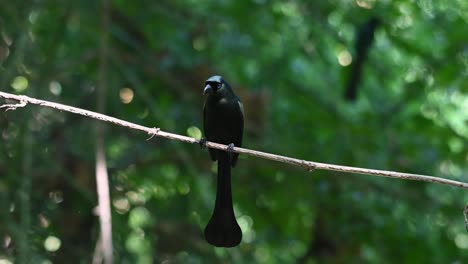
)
(362, 44)
(223, 122)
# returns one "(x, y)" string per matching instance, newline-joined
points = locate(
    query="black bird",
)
(363, 41)
(223, 122)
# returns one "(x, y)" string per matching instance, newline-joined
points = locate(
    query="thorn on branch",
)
(153, 133)
(309, 167)
(22, 103)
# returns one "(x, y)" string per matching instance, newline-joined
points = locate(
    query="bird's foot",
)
(202, 143)
(230, 149)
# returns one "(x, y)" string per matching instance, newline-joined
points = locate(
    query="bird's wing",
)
(239, 119)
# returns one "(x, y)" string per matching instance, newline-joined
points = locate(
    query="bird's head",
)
(215, 84)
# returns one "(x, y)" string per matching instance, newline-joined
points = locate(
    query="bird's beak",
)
(208, 89)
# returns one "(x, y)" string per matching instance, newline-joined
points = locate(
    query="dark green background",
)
(281, 57)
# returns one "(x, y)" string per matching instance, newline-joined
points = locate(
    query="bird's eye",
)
(219, 86)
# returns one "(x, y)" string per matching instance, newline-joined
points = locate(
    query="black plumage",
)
(223, 122)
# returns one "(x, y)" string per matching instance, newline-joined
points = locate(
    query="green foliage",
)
(282, 58)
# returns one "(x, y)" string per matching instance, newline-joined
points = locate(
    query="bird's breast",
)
(222, 121)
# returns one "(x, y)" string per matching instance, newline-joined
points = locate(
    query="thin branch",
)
(105, 220)
(98, 255)
(14, 106)
(102, 177)
(309, 165)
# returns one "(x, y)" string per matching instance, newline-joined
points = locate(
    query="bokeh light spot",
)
(139, 217)
(126, 95)
(56, 196)
(344, 58)
(122, 205)
(43, 221)
(455, 145)
(20, 83)
(55, 88)
(183, 188)
(6, 38)
(4, 260)
(194, 132)
(461, 240)
(245, 222)
(52, 243)
(367, 4)
(33, 17)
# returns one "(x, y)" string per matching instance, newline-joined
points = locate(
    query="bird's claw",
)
(202, 143)
(230, 147)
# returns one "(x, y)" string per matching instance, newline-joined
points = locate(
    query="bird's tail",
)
(222, 229)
